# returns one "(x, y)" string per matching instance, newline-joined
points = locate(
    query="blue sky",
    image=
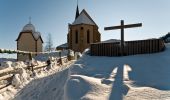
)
(53, 16)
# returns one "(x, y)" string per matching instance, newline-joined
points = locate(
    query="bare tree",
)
(49, 43)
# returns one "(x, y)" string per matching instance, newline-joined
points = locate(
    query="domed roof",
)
(28, 27)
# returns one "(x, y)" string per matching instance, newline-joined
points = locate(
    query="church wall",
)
(26, 43)
(73, 35)
(82, 36)
(39, 45)
(97, 36)
(86, 28)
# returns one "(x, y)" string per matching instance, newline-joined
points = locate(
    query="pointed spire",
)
(77, 11)
(29, 20)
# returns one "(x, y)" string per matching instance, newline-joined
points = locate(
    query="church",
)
(82, 32)
(29, 40)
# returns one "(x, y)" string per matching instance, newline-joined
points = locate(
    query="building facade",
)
(29, 40)
(82, 32)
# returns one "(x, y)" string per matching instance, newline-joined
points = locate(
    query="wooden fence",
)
(130, 48)
(6, 75)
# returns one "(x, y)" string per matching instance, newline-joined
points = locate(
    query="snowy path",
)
(51, 83)
(47, 88)
(139, 77)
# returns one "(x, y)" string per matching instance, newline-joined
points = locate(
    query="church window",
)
(81, 28)
(76, 36)
(88, 36)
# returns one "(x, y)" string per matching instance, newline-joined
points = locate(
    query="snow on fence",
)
(8, 73)
(130, 48)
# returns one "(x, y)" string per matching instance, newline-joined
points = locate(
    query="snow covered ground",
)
(42, 76)
(138, 77)
(7, 59)
(44, 57)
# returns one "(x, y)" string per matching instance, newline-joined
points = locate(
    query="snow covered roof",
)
(63, 45)
(110, 41)
(36, 35)
(84, 18)
(28, 27)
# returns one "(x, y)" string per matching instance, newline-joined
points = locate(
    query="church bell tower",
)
(82, 32)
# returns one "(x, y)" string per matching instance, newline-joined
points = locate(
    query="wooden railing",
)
(130, 48)
(6, 75)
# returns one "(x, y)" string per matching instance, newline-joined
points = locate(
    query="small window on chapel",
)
(88, 36)
(76, 37)
(82, 28)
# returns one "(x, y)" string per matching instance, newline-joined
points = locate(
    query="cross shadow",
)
(118, 87)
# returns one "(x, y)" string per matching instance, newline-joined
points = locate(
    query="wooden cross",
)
(122, 27)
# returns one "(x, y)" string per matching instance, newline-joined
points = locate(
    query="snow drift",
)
(135, 77)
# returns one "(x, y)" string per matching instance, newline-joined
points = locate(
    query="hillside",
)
(138, 77)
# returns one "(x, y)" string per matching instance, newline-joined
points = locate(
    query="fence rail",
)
(7, 73)
(130, 48)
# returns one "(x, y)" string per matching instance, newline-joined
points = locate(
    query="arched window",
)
(76, 37)
(88, 36)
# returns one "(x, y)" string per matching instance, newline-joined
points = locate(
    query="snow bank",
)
(147, 70)
(138, 77)
(44, 57)
(16, 81)
(80, 87)
(21, 77)
(47, 88)
(6, 64)
(7, 59)
(77, 55)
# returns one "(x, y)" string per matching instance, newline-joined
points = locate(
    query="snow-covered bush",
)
(1, 97)
(70, 54)
(2, 82)
(39, 63)
(78, 55)
(20, 78)
(16, 65)
(16, 81)
(22, 64)
(23, 75)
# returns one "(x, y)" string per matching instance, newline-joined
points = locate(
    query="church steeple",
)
(77, 11)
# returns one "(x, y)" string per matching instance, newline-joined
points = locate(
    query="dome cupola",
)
(28, 27)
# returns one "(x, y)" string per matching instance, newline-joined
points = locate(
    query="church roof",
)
(65, 45)
(62, 46)
(84, 18)
(29, 28)
(110, 41)
(77, 12)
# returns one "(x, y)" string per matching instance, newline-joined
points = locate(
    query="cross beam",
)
(122, 27)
